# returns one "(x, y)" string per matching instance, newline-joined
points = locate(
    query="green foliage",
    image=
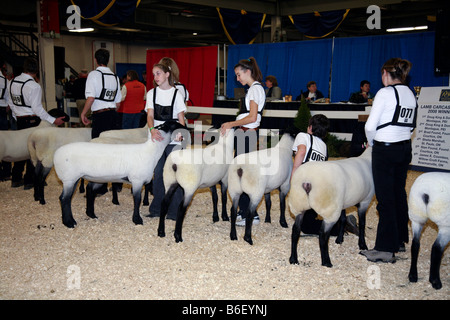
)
(336, 146)
(301, 120)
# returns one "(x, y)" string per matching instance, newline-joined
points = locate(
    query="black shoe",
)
(16, 184)
(28, 186)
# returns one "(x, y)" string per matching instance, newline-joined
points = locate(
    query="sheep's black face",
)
(56, 113)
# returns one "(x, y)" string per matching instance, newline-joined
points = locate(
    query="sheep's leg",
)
(147, 189)
(234, 206)
(324, 237)
(223, 190)
(268, 202)
(362, 227)
(215, 199)
(66, 204)
(37, 173)
(343, 221)
(81, 190)
(415, 246)
(249, 222)
(180, 217)
(91, 189)
(137, 189)
(296, 229)
(164, 208)
(283, 222)
(116, 188)
(436, 257)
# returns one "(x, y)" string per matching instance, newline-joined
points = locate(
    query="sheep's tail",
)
(240, 171)
(425, 199)
(307, 187)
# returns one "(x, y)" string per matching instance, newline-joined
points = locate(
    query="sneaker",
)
(241, 223)
(16, 184)
(378, 256)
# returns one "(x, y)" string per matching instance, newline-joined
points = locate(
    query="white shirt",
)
(255, 93)
(94, 88)
(4, 84)
(164, 98)
(319, 150)
(32, 96)
(383, 109)
(184, 92)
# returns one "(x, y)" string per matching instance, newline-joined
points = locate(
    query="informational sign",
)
(431, 144)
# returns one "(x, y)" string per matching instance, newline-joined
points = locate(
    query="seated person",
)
(273, 91)
(363, 95)
(312, 94)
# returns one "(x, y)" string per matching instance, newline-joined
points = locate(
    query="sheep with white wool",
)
(330, 187)
(258, 173)
(102, 163)
(13, 143)
(196, 168)
(429, 198)
(42, 144)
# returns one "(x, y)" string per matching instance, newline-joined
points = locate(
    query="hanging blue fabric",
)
(241, 27)
(106, 12)
(319, 24)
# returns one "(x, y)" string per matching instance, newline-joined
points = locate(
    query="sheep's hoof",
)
(138, 220)
(91, 215)
(339, 240)
(215, 218)
(412, 277)
(225, 218)
(116, 202)
(293, 260)
(178, 238)
(42, 201)
(248, 240)
(283, 224)
(70, 223)
(436, 283)
(327, 264)
(233, 237)
(161, 233)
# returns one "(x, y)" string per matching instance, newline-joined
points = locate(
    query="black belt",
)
(103, 110)
(387, 144)
(29, 116)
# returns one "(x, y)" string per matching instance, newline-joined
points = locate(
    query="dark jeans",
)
(16, 176)
(159, 190)
(390, 167)
(103, 121)
(130, 120)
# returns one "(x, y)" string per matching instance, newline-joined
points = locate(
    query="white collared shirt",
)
(94, 88)
(32, 95)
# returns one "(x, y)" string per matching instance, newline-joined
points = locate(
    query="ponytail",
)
(252, 65)
(397, 68)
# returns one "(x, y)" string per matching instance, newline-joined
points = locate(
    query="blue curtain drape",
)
(292, 63)
(361, 58)
(240, 26)
(319, 24)
(354, 59)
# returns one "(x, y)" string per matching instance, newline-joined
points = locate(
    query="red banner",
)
(198, 67)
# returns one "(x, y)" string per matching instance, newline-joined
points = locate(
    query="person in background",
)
(363, 95)
(248, 120)
(312, 94)
(133, 101)
(102, 96)
(164, 102)
(273, 91)
(388, 129)
(5, 167)
(78, 91)
(24, 96)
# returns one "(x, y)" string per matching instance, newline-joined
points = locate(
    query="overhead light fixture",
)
(407, 29)
(194, 33)
(82, 30)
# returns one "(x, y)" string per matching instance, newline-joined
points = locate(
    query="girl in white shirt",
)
(248, 73)
(388, 130)
(164, 102)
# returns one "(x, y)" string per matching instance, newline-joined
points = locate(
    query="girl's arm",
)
(250, 118)
(299, 156)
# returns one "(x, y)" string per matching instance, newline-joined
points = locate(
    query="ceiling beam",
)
(267, 6)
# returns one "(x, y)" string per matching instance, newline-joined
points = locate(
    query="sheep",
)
(258, 173)
(429, 198)
(328, 188)
(13, 143)
(196, 168)
(42, 144)
(102, 163)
